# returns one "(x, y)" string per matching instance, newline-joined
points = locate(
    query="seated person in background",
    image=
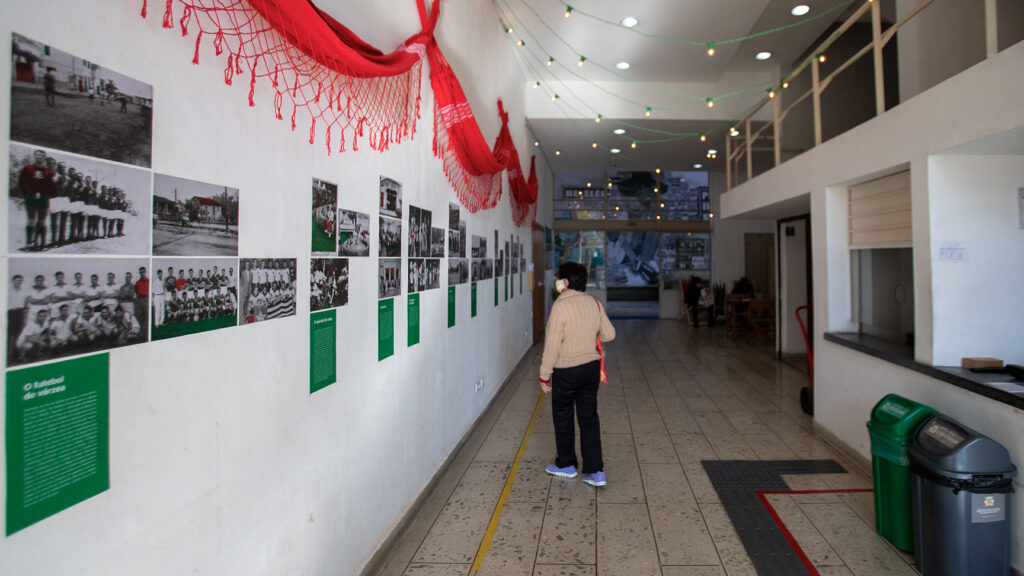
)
(695, 300)
(743, 286)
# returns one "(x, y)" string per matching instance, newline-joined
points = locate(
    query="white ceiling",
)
(657, 66)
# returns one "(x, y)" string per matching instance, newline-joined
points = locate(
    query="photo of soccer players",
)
(204, 295)
(390, 198)
(64, 204)
(193, 218)
(60, 100)
(389, 277)
(482, 269)
(419, 232)
(390, 237)
(353, 233)
(328, 283)
(60, 307)
(324, 241)
(436, 243)
(458, 271)
(479, 247)
(266, 289)
(424, 274)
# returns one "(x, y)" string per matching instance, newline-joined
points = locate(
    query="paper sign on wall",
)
(323, 365)
(58, 437)
(385, 328)
(451, 306)
(414, 319)
(472, 300)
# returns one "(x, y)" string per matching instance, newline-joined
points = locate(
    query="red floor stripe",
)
(762, 495)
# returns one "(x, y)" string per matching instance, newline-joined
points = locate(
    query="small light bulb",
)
(581, 61)
(662, 204)
(711, 48)
(703, 138)
(711, 214)
(536, 143)
(554, 97)
(711, 102)
(648, 112)
(821, 57)
(733, 131)
(536, 84)
(609, 184)
(508, 30)
(568, 11)
(520, 42)
(588, 184)
(598, 119)
(771, 93)
(558, 152)
(616, 208)
(655, 189)
(785, 85)
(633, 145)
(658, 217)
(550, 61)
(594, 144)
(657, 170)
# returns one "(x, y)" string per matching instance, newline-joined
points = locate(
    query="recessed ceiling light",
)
(622, 65)
(615, 150)
(698, 166)
(712, 151)
(763, 55)
(800, 10)
(619, 131)
(629, 22)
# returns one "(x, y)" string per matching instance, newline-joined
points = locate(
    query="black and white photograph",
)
(482, 269)
(60, 307)
(455, 244)
(499, 263)
(424, 274)
(390, 198)
(454, 212)
(389, 277)
(507, 259)
(202, 297)
(324, 238)
(479, 247)
(353, 233)
(390, 237)
(463, 238)
(437, 243)
(328, 283)
(515, 265)
(497, 248)
(60, 100)
(458, 271)
(266, 289)
(192, 218)
(419, 232)
(64, 204)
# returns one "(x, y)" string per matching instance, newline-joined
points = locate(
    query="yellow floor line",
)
(505, 492)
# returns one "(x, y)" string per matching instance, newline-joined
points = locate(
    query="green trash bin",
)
(894, 421)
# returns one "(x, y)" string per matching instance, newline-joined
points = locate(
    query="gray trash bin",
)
(961, 490)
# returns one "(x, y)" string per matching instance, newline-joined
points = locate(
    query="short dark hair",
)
(575, 273)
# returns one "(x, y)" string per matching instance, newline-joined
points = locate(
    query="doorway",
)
(795, 284)
(759, 263)
(537, 285)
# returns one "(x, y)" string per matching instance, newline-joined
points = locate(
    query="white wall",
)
(975, 205)
(979, 102)
(793, 290)
(727, 237)
(221, 460)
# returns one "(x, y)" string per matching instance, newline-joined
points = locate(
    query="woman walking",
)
(571, 371)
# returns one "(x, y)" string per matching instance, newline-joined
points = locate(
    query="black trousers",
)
(577, 387)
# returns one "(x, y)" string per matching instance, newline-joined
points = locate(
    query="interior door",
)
(759, 256)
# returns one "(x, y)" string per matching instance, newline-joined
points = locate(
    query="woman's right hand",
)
(545, 386)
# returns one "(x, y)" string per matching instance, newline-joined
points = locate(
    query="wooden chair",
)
(762, 320)
(737, 314)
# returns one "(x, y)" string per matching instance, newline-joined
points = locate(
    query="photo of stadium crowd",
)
(266, 289)
(204, 295)
(328, 283)
(353, 233)
(324, 241)
(60, 307)
(64, 204)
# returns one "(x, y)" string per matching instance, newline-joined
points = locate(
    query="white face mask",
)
(561, 285)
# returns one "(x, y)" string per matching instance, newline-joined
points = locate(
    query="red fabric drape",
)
(356, 91)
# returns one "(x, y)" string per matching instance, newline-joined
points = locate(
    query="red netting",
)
(354, 90)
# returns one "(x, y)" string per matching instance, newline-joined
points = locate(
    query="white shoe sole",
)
(562, 474)
(596, 482)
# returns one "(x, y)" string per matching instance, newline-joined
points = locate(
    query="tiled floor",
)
(675, 396)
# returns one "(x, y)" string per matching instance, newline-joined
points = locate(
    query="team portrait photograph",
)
(60, 307)
(60, 100)
(266, 289)
(204, 295)
(482, 269)
(479, 247)
(193, 218)
(458, 271)
(419, 232)
(424, 274)
(389, 277)
(328, 283)
(324, 241)
(454, 212)
(64, 204)
(390, 198)
(390, 237)
(353, 233)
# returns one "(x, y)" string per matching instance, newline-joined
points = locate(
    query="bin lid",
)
(948, 448)
(897, 417)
